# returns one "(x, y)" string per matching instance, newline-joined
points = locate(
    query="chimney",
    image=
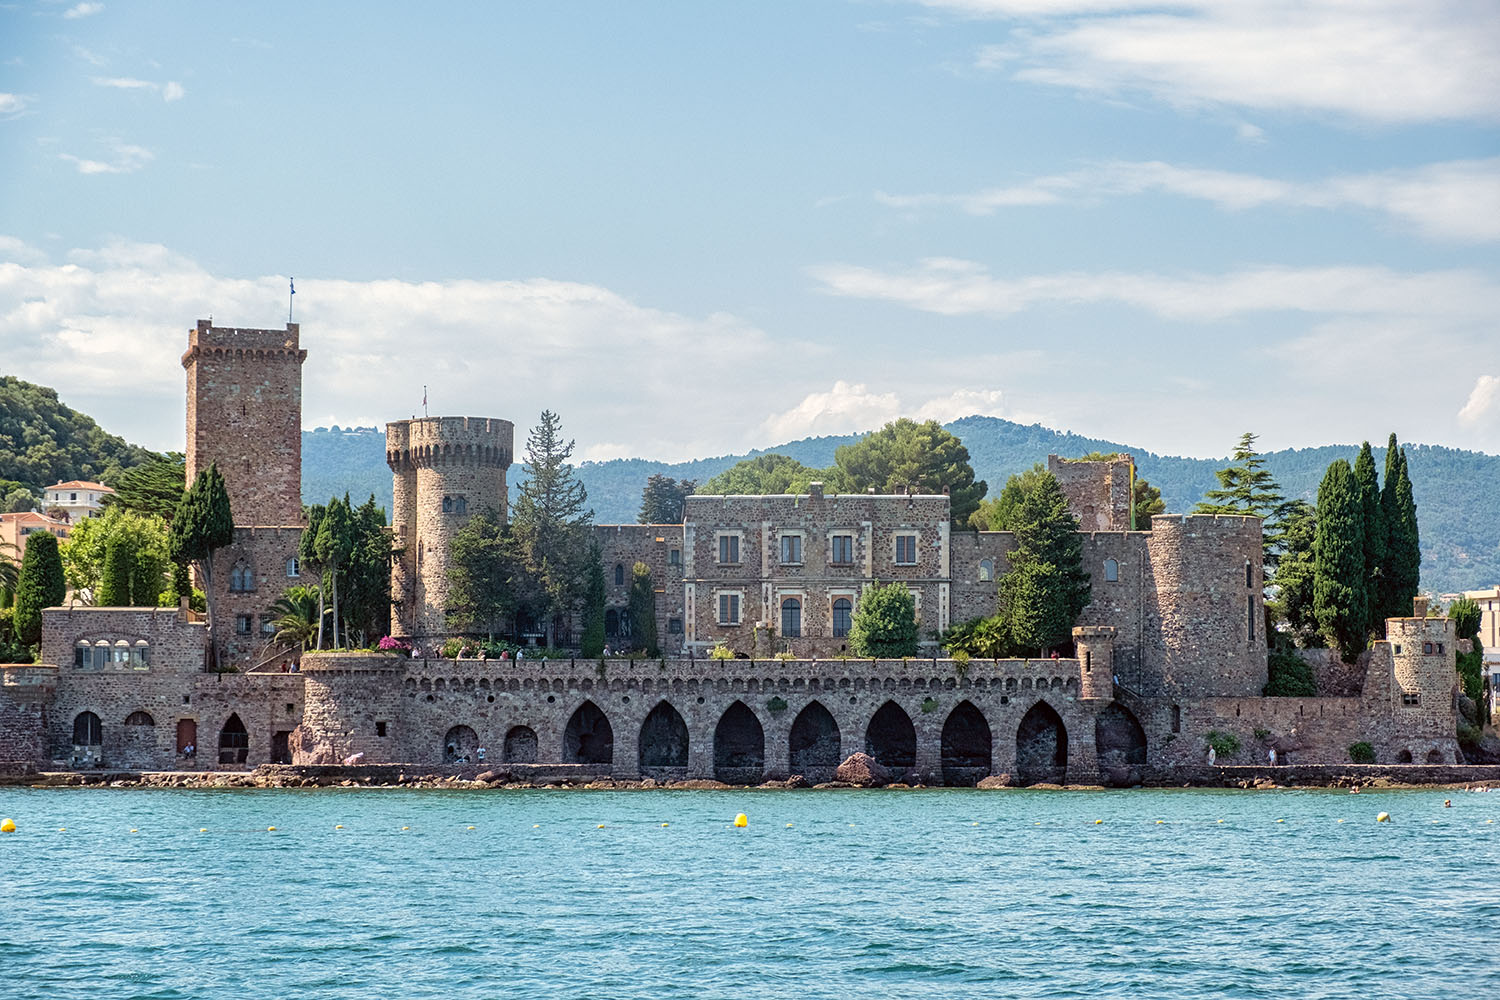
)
(1419, 607)
(815, 491)
(946, 491)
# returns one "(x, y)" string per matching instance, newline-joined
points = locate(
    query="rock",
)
(648, 782)
(1468, 710)
(491, 777)
(699, 783)
(863, 771)
(1486, 751)
(994, 781)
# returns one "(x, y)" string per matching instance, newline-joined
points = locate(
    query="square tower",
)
(244, 411)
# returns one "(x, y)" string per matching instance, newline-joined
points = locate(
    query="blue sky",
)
(696, 228)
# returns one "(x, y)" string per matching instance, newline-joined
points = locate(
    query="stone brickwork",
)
(446, 470)
(27, 694)
(1098, 492)
(659, 546)
(266, 558)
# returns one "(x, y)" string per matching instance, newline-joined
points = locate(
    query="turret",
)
(1096, 660)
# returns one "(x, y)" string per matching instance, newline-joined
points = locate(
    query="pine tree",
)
(1046, 588)
(551, 516)
(1402, 574)
(643, 609)
(592, 643)
(488, 579)
(41, 585)
(662, 499)
(1374, 533)
(924, 457)
(1295, 572)
(1340, 594)
(1248, 487)
(202, 525)
(114, 584)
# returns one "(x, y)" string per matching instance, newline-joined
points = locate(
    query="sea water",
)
(652, 894)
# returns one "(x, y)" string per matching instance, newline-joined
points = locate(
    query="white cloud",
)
(170, 91)
(1379, 60)
(127, 159)
(82, 10)
(1458, 200)
(1483, 402)
(11, 104)
(848, 408)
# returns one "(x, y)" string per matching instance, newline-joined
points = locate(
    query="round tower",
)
(1422, 658)
(1096, 661)
(445, 470)
(1203, 621)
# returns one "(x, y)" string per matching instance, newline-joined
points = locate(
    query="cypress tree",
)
(1403, 573)
(114, 584)
(1340, 587)
(41, 585)
(592, 642)
(202, 525)
(1374, 531)
(1385, 601)
(643, 609)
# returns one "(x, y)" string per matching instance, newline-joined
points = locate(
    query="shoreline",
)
(521, 777)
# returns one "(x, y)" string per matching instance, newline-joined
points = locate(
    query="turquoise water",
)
(950, 893)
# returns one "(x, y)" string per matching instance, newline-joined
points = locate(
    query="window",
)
(72, 496)
(139, 719)
(1249, 574)
(674, 626)
(1398, 649)
(1411, 697)
(293, 568)
(1176, 718)
(267, 625)
(447, 505)
(380, 728)
(729, 549)
(1440, 649)
(619, 574)
(791, 617)
(1427, 647)
(674, 557)
(986, 570)
(242, 624)
(1111, 571)
(791, 550)
(841, 550)
(140, 655)
(241, 580)
(843, 617)
(729, 609)
(612, 623)
(1250, 621)
(906, 550)
(460, 505)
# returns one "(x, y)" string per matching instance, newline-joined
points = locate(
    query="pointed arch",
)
(891, 738)
(739, 747)
(588, 738)
(967, 746)
(1121, 744)
(815, 747)
(234, 741)
(664, 743)
(1041, 746)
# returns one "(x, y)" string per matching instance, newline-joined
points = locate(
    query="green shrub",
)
(1289, 677)
(1223, 744)
(1361, 753)
(720, 652)
(776, 704)
(1262, 734)
(451, 648)
(929, 704)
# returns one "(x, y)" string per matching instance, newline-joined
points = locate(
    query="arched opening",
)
(1041, 746)
(87, 730)
(619, 574)
(1121, 744)
(612, 624)
(520, 746)
(139, 719)
(1435, 757)
(1404, 757)
(791, 618)
(815, 746)
(843, 617)
(460, 745)
(891, 738)
(986, 570)
(588, 739)
(234, 742)
(739, 747)
(966, 747)
(664, 743)
(1111, 571)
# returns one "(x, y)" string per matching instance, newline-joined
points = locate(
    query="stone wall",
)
(659, 546)
(1097, 492)
(242, 626)
(26, 695)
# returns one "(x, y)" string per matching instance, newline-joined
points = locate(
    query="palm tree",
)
(10, 568)
(297, 617)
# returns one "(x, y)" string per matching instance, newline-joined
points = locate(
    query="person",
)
(188, 750)
(520, 654)
(1054, 654)
(1212, 757)
(480, 753)
(1272, 756)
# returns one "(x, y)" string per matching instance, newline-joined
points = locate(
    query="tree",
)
(551, 515)
(1401, 575)
(488, 577)
(1340, 597)
(642, 605)
(1248, 488)
(295, 617)
(986, 637)
(592, 643)
(1374, 533)
(41, 585)
(307, 556)
(923, 457)
(146, 546)
(1466, 616)
(202, 525)
(1046, 589)
(998, 513)
(334, 544)
(662, 499)
(154, 489)
(1293, 584)
(114, 584)
(885, 622)
(365, 587)
(771, 474)
(10, 570)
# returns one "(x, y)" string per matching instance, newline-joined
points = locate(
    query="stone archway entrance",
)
(520, 746)
(588, 738)
(664, 744)
(460, 745)
(891, 739)
(815, 746)
(967, 746)
(234, 742)
(739, 747)
(1121, 744)
(1041, 747)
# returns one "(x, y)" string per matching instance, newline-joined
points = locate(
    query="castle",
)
(1170, 650)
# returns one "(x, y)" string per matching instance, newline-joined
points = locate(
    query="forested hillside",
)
(1459, 525)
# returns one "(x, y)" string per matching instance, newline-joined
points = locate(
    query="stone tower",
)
(1423, 697)
(445, 470)
(244, 412)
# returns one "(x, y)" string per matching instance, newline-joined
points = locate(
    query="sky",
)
(692, 229)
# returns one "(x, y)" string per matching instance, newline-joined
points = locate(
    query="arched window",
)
(843, 617)
(612, 623)
(83, 655)
(460, 505)
(1111, 571)
(791, 618)
(122, 653)
(241, 579)
(139, 719)
(447, 505)
(140, 654)
(87, 732)
(986, 570)
(102, 654)
(619, 574)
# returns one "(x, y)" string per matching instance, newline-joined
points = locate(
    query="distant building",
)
(14, 529)
(78, 498)
(1489, 637)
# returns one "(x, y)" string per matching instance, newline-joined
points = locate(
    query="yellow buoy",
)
(202, 829)
(742, 820)
(1220, 821)
(406, 828)
(599, 827)
(471, 828)
(62, 829)
(7, 825)
(338, 826)
(1098, 821)
(134, 830)
(1281, 821)
(1383, 818)
(664, 824)
(789, 826)
(1160, 822)
(536, 826)
(973, 824)
(1340, 821)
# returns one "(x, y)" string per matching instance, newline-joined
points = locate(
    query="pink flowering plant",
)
(393, 645)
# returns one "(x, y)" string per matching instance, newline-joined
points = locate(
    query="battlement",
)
(429, 441)
(259, 344)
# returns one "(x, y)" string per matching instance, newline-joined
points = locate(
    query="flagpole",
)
(291, 297)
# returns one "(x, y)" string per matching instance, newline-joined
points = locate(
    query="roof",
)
(80, 484)
(32, 517)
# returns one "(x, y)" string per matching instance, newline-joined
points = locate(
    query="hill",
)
(44, 441)
(1460, 543)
